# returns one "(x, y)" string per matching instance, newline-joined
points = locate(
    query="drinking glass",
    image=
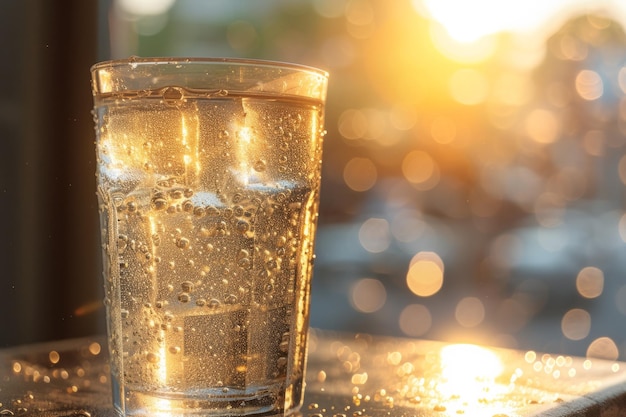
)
(208, 179)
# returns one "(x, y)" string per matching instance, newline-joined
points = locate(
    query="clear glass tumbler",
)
(208, 177)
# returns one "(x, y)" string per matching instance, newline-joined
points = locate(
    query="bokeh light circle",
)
(415, 320)
(425, 275)
(603, 348)
(469, 312)
(368, 295)
(576, 324)
(590, 282)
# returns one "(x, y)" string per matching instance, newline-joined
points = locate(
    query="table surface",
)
(349, 375)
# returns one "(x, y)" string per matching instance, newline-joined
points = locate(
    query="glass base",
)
(260, 403)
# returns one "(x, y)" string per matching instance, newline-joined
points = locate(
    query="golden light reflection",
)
(469, 371)
(469, 21)
(244, 136)
(425, 275)
(474, 51)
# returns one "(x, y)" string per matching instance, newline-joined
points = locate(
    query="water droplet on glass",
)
(184, 297)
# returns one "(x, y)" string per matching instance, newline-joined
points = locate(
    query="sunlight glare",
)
(467, 22)
(468, 369)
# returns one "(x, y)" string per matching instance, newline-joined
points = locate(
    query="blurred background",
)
(474, 166)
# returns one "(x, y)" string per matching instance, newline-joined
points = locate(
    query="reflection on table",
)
(348, 375)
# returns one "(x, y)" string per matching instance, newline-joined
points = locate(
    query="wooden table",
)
(349, 375)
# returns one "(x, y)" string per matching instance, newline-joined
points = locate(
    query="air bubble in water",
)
(184, 297)
(152, 357)
(244, 263)
(260, 165)
(187, 286)
(122, 242)
(243, 226)
(182, 242)
(173, 96)
(159, 203)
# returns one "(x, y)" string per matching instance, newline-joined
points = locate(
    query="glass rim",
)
(111, 63)
(234, 75)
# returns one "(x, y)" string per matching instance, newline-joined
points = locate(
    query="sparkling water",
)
(208, 208)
